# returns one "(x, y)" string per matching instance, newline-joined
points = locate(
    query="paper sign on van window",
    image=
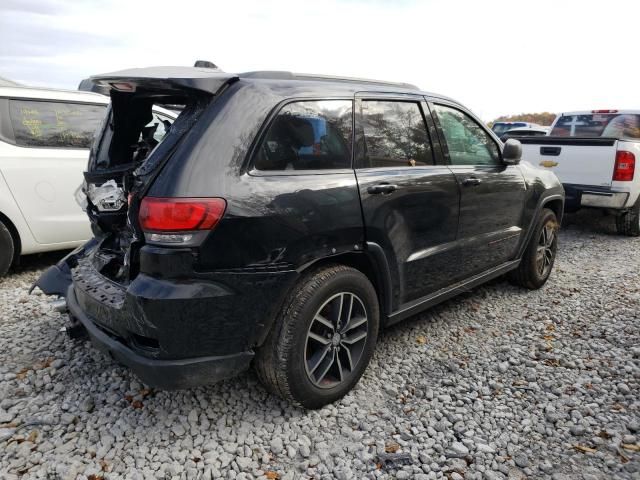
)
(54, 124)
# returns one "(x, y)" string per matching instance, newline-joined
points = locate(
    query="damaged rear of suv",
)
(135, 287)
(284, 219)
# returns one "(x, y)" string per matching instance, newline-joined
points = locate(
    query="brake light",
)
(124, 86)
(180, 214)
(625, 166)
(604, 111)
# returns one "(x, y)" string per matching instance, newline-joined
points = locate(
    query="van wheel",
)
(323, 338)
(629, 222)
(6, 249)
(540, 255)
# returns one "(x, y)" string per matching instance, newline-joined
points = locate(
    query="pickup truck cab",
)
(594, 153)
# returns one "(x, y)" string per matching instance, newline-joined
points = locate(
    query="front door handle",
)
(383, 188)
(471, 182)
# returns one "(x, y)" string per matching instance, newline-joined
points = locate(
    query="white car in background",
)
(45, 136)
(531, 131)
(500, 128)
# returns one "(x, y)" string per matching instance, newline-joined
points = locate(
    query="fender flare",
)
(543, 201)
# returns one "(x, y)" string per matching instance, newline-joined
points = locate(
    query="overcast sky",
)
(497, 57)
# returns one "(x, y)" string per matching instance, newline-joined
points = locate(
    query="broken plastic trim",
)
(108, 197)
(187, 118)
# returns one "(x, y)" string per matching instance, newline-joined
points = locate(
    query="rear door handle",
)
(383, 188)
(471, 182)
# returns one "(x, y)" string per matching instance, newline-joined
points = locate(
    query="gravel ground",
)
(498, 383)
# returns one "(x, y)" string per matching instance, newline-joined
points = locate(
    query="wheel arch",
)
(17, 242)
(555, 202)
(370, 262)
(556, 205)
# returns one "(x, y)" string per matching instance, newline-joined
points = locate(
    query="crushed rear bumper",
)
(172, 332)
(165, 374)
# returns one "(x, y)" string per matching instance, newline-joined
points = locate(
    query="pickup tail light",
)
(164, 215)
(625, 166)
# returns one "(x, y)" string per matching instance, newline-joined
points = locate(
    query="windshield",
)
(499, 128)
(598, 125)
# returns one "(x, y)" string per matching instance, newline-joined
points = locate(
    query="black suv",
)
(285, 219)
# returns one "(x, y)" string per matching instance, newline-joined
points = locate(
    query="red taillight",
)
(625, 166)
(604, 111)
(180, 214)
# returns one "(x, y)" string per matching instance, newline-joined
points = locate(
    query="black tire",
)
(284, 361)
(629, 222)
(6, 249)
(531, 273)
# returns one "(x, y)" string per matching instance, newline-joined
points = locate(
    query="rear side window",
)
(598, 125)
(467, 143)
(394, 135)
(54, 124)
(308, 135)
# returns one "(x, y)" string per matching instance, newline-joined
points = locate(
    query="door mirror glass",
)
(512, 152)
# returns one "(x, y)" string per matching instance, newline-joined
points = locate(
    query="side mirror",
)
(512, 152)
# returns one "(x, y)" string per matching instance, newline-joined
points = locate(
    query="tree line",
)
(543, 118)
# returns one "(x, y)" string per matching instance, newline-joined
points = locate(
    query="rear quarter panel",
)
(277, 219)
(9, 208)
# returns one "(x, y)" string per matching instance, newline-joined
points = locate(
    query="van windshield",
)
(598, 125)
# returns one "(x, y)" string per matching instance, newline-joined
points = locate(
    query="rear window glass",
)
(598, 125)
(308, 135)
(55, 124)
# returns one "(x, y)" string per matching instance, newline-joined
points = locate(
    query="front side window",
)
(467, 142)
(54, 124)
(394, 135)
(308, 135)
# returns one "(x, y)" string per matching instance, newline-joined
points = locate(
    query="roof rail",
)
(284, 75)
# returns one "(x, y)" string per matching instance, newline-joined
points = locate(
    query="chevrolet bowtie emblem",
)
(548, 163)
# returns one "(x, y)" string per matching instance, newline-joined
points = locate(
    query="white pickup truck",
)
(594, 154)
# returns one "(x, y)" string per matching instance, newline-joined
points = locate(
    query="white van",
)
(45, 136)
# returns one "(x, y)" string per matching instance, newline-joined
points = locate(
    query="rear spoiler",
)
(205, 80)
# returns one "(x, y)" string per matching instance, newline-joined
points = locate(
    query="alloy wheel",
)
(546, 249)
(336, 339)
